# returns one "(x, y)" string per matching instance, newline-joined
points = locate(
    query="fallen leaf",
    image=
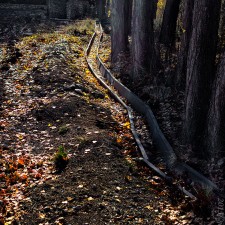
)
(42, 215)
(90, 199)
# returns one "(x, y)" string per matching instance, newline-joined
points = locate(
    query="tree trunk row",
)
(168, 30)
(142, 38)
(119, 37)
(196, 71)
(200, 69)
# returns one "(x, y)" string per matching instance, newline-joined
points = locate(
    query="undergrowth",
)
(60, 159)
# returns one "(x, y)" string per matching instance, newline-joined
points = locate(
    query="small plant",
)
(60, 159)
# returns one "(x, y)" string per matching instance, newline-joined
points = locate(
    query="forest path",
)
(51, 99)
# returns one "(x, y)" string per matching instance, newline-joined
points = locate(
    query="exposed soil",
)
(50, 100)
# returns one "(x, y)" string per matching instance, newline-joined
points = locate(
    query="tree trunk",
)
(216, 123)
(119, 34)
(101, 10)
(168, 30)
(155, 2)
(108, 6)
(185, 39)
(200, 69)
(129, 15)
(142, 38)
(222, 26)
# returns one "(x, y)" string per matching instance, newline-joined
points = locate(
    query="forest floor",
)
(52, 107)
(167, 103)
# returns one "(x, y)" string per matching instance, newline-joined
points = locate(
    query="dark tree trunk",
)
(216, 123)
(185, 39)
(168, 30)
(155, 2)
(200, 69)
(222, 26)
(119, 34)
(142, 38)
(108, 4)
(129, 15)
(101, 9)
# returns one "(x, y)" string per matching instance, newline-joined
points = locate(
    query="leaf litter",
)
(48, 87)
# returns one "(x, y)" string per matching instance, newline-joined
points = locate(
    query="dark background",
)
(35, 2)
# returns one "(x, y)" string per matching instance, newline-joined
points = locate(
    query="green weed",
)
(60, 159)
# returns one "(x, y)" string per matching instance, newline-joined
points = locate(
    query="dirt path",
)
(50, 100)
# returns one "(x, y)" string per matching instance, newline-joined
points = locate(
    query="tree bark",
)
(108, 6)
(101, 10)
(185, 40)
(200, 69)
(168, 30)
(129, 13)
(216, 123)
(119, 34)
(155, 2)
(222, 26)
(142, 38)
